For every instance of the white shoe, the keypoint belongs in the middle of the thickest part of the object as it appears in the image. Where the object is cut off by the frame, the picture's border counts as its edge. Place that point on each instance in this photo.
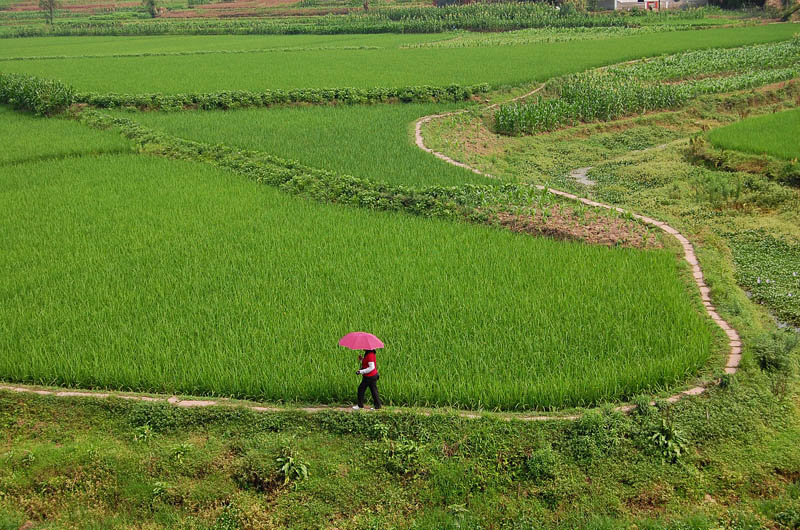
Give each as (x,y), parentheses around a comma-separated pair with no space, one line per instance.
(356,407)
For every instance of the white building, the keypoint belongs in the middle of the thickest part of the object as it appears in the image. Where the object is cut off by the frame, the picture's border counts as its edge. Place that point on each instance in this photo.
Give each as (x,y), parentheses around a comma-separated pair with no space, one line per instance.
(654,5)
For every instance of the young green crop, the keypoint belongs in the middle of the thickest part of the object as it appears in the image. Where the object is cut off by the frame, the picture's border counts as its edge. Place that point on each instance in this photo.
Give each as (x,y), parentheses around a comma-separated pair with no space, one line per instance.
(81,46)
(371,142)
(26,138)
(774,134)
(151,274)
(502,65)
(611,93)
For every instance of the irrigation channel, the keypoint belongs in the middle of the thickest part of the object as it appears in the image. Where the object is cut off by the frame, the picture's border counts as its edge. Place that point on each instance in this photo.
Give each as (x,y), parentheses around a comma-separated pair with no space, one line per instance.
(731,365)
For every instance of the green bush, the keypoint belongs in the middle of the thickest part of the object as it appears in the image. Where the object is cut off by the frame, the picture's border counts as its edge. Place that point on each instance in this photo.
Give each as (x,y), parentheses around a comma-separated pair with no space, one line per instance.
(541,465)
(43,97)
(773,351)
(403,457)
(257,470)
(670,442)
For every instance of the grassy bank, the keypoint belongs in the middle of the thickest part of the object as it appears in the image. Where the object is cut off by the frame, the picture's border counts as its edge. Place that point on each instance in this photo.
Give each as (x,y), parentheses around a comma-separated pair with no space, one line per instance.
(731,462)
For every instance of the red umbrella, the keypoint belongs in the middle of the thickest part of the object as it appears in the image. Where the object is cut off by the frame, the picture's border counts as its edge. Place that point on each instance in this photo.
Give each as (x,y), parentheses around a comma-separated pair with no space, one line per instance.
(359,340)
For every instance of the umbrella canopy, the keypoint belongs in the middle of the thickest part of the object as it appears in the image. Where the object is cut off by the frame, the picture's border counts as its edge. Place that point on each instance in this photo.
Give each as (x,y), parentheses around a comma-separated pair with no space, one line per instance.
(359,340)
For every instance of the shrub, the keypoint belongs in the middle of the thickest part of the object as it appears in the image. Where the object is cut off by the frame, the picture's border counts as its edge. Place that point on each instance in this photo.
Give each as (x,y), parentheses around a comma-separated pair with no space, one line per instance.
(773,351)
(789,517)
(267,471)
(643,406)
(403,456)
(540,466)
(290,467)
(43,97)
(670,442)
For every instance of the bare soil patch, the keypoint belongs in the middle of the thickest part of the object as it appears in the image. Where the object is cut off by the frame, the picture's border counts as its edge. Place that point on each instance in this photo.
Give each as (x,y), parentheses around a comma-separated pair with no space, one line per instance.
(569,224)
(78,8)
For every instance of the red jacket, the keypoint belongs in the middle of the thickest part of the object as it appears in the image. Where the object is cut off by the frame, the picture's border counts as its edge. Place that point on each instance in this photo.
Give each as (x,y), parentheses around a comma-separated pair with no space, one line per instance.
(369,358)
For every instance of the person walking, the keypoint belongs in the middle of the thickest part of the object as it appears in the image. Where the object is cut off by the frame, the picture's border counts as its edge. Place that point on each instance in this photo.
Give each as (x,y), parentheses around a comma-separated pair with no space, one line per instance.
(368,343)
(369,378)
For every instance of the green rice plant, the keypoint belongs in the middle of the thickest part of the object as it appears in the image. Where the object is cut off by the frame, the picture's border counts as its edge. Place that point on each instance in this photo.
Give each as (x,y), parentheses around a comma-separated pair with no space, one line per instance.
(772,134)
(364,68)
(26,138)
(366,142)
(197,44)
(216,285)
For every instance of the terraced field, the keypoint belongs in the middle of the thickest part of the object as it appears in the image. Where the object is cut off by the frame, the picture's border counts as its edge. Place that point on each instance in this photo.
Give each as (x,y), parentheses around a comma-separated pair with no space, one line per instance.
(217,286)
(179,276)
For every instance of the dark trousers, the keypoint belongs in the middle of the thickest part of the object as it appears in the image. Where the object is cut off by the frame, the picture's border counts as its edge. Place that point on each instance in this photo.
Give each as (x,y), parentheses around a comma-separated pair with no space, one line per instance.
(372,383)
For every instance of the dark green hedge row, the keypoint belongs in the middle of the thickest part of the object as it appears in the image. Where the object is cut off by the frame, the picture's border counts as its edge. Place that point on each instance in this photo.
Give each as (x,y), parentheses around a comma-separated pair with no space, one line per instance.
(236,99)
(40,96)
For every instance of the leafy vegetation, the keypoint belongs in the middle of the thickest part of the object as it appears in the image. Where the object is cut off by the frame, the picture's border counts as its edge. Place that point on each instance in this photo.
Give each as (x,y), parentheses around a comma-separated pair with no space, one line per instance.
(614,92)
(40,96)
(769,269)
(237,99)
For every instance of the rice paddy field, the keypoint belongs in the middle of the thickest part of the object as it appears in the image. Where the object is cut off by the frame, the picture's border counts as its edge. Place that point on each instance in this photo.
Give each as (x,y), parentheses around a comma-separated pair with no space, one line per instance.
(195,44)
(340,138)
(28,140)
(390,66)
(171,276)
(122,269)
(774,134)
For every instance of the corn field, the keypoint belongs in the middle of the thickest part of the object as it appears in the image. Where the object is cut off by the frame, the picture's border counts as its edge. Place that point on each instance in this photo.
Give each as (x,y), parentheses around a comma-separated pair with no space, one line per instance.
(611,93)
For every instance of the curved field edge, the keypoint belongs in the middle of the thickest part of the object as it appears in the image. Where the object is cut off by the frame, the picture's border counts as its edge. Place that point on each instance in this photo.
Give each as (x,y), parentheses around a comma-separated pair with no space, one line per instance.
(95,329)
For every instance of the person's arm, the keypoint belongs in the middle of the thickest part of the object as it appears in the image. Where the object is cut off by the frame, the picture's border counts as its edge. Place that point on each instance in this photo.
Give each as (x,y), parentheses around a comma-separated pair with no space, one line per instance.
(370,367)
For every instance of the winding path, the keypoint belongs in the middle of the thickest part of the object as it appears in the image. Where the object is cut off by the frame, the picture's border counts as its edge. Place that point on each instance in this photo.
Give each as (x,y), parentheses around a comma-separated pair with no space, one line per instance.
(734,342)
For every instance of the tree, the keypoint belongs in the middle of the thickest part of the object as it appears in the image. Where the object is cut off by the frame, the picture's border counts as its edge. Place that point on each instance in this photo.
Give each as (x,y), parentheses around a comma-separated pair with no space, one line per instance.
(49,7)
(151,6)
